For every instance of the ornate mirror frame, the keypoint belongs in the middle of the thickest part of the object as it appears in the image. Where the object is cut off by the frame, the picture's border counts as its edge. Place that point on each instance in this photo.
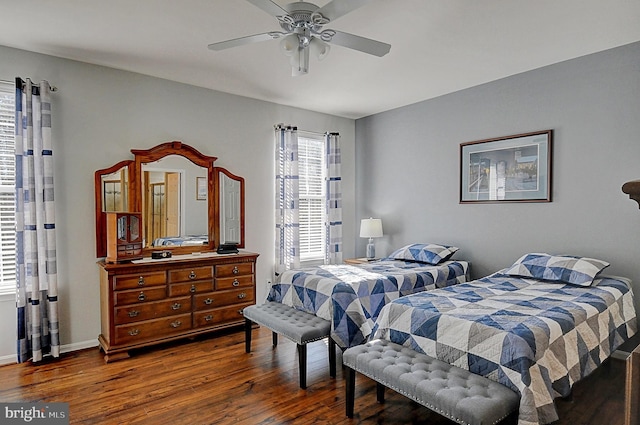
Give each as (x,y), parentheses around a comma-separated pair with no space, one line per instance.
(101,217)
(218,220)
(135,197)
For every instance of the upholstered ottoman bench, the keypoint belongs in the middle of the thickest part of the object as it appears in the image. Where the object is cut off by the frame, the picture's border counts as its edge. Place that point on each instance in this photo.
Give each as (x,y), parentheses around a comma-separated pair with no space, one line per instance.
(455,393)
(299,326)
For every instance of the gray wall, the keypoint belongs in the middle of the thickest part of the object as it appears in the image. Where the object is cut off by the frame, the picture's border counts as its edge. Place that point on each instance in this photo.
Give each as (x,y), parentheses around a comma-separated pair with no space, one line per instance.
(100,114)
(407,163)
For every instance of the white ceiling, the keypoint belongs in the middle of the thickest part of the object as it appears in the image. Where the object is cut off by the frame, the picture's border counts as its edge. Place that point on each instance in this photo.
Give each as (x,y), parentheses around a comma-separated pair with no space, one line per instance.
(438,46)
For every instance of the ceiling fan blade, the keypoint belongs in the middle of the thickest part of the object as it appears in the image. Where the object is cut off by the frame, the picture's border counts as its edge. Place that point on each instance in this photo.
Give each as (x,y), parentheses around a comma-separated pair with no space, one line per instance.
(362,44)
(337,8)
(268,6)
(245,40)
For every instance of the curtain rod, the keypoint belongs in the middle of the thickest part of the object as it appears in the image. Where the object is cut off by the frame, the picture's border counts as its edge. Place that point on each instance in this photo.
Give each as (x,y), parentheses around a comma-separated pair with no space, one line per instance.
(277,126)
(53,88)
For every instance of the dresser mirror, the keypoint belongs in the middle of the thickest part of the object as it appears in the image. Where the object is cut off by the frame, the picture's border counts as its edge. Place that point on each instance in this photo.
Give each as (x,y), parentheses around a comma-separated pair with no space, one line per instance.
(187,204)
(112,194)
(231,200)
(170,207)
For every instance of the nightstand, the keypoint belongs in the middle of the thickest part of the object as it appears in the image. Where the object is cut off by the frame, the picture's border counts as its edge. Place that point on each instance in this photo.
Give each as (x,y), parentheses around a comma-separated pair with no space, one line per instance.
(359,260)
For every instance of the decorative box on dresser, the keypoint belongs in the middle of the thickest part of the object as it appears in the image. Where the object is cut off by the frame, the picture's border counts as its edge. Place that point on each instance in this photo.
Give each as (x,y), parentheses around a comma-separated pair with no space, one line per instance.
(149,301)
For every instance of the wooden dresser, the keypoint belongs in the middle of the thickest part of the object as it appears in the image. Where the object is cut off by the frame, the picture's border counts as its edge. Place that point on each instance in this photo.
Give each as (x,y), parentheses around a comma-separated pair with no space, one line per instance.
(148,302)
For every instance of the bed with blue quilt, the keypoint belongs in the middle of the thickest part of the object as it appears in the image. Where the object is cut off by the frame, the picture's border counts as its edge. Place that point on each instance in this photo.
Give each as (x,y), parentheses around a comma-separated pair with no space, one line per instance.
(536,327)
(189,240)
(351,296)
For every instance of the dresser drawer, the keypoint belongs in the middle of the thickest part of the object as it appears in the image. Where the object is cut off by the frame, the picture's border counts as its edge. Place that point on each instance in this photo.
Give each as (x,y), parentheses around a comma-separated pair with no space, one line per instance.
(177,289)
(219,316)
(145,311)
(190,274)
(222,298)
(141,280)
(140,295)
(234,282)
(229,270)
(150,329)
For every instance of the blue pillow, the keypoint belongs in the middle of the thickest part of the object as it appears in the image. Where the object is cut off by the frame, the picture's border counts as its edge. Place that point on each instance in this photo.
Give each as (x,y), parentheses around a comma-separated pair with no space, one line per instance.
(560,268)
(424,253)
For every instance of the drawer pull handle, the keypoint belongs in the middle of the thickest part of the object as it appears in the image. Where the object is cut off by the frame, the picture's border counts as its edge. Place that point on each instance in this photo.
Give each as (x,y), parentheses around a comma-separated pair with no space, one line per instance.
(242,295)
(141,281)
(240,312)
(176,306)
(235,282)
(176,324)
(192,275)
(133,313)
(235,270)
(142,296)
(208,301)
(208,317)
(134,332)
(192,289)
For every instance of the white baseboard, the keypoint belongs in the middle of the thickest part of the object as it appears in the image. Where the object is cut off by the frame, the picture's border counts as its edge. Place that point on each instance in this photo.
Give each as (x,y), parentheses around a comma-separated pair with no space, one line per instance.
(63,349)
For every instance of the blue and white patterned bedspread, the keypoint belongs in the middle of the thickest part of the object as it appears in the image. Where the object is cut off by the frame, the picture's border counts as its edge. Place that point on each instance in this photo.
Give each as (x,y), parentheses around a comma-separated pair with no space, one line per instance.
(537,338)
(182,240)
(351,296)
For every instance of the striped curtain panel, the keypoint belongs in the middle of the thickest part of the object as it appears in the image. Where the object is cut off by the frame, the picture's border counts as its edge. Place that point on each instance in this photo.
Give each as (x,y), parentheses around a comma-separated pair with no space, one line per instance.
(37,289)
(333,251)
(287,199)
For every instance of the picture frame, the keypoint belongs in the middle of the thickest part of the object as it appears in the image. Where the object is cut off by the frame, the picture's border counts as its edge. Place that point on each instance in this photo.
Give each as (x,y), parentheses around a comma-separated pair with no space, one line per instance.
(201,188)
(515,168)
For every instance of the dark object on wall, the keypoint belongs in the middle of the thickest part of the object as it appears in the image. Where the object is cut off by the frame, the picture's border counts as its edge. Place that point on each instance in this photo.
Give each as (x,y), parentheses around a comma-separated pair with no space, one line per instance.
(632,189)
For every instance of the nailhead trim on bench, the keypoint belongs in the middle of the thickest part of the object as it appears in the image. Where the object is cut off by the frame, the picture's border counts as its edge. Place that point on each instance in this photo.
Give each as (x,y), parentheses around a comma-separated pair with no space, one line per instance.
(471,399)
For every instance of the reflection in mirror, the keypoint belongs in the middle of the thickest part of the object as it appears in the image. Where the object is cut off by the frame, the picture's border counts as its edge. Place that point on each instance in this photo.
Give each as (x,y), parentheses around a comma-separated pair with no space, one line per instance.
(133,228)
(115,187)
(229,210)
(122,228)
(171,214)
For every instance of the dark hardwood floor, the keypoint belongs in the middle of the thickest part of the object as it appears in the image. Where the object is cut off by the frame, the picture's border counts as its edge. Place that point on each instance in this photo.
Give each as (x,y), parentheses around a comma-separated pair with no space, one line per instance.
(212,381)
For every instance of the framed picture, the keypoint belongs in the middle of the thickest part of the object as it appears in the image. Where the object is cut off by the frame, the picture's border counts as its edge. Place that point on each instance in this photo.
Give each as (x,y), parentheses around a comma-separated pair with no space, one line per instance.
(201,188)
(507,169)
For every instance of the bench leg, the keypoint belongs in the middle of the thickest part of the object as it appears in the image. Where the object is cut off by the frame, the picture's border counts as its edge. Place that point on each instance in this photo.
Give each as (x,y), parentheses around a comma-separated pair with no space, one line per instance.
(247,335)
(350,387)
(302,364)
(332,357)
(274,339)
(379,392)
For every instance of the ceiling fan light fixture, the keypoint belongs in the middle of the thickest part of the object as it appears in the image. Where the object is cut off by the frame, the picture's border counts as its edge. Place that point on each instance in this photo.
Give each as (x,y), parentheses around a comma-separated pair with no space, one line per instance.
(290,44)
(303,33)
(319,48)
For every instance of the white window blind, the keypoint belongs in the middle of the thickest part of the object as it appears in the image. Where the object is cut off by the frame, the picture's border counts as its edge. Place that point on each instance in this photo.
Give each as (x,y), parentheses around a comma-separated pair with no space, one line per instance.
(7,189)
(312,197)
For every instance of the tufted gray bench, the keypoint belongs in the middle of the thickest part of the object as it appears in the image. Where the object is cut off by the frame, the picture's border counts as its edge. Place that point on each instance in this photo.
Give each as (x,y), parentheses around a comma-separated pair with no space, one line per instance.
(455,393)
(299,326)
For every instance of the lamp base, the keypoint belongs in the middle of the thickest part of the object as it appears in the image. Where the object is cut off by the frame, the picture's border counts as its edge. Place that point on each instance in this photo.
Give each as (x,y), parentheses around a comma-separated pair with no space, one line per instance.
(371,250)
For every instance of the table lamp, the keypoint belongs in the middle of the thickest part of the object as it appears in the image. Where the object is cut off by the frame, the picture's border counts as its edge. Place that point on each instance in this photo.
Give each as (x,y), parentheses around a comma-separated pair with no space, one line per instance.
(371,228)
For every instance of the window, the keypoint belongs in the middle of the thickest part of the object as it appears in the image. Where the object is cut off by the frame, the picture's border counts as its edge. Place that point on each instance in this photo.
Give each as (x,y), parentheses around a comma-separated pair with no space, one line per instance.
(7,189)
(311,168)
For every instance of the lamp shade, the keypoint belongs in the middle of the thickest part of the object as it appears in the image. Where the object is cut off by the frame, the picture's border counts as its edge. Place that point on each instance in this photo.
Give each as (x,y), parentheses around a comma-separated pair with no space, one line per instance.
(371,228)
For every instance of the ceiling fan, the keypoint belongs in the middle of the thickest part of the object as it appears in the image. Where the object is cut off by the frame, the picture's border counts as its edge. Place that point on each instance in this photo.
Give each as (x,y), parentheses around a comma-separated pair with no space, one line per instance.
(303,33)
